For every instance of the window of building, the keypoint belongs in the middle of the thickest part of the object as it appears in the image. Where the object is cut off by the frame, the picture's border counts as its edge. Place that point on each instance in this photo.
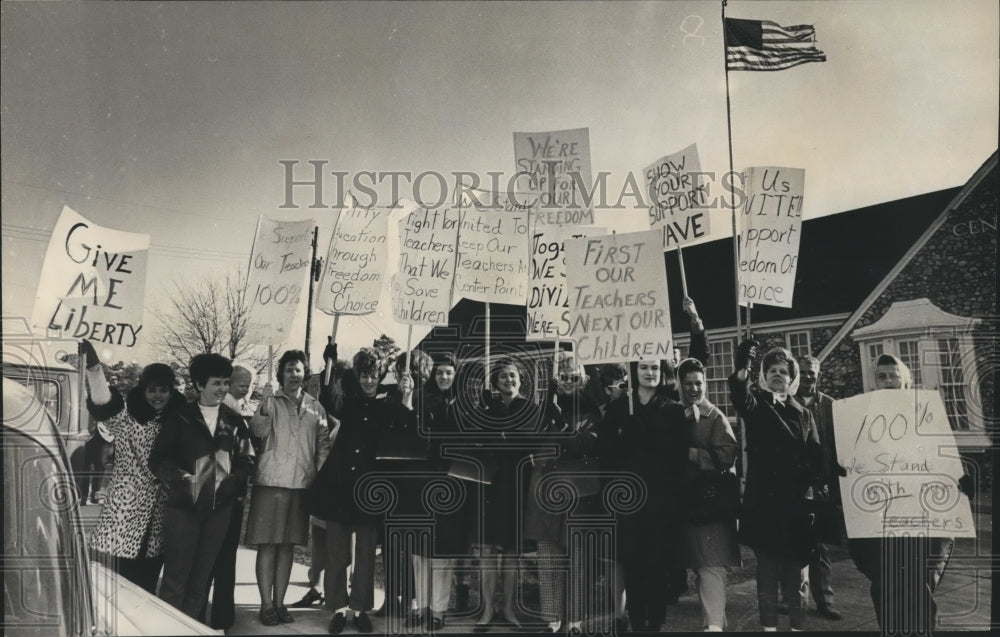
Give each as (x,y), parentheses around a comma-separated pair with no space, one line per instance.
(909,353)
(798,344)
(874,351)
(720,366)
(951,382)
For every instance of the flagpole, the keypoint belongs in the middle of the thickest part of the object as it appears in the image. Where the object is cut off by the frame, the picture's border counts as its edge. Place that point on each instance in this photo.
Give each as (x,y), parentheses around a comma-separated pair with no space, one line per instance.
(732,204)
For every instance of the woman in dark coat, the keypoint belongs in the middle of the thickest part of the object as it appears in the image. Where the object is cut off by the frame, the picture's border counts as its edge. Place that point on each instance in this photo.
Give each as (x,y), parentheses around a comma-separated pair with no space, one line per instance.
(649,442)
(503,500)
(784,463)
(576,440)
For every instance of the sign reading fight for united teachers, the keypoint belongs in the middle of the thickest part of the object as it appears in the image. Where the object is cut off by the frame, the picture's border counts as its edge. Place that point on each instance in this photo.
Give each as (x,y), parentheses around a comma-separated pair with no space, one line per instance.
(93,283)
(421,286)
(279,267)
(618,305)
(902,466)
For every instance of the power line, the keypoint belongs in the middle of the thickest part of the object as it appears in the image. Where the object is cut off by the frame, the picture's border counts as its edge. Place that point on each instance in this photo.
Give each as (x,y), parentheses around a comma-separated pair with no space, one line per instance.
(36,234)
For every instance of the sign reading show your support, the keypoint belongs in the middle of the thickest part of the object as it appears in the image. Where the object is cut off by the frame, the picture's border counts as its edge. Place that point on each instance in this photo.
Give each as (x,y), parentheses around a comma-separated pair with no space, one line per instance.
(279,266)
(354,269)
(770,230)
(93,283)
(619,309)
(555,167)
(902,466)
(678,199)
(421,286)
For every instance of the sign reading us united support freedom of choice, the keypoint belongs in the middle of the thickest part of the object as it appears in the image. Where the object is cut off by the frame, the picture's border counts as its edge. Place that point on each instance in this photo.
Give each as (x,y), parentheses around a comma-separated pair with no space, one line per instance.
(678,200)
(619,309)
(279,264)
(354,269)
(902,466)
(770,230)
(93,283)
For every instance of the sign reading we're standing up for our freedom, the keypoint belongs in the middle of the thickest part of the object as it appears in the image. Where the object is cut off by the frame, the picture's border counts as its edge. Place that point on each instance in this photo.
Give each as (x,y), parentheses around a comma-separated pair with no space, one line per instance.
(93,283)
(902,466)
(769,234)
(619,310)
(555,167)
(279,264)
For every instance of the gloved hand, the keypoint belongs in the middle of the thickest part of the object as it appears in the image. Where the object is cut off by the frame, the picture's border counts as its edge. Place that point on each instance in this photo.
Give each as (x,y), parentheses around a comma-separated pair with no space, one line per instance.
(967,485)
(86,349)
(841,470)
(747,354)
(330,351)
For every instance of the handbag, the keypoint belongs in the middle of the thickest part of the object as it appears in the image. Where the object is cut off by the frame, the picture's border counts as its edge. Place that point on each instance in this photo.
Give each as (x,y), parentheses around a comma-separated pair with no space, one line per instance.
(483,469)
(583,473)
(401,443)
(715,497)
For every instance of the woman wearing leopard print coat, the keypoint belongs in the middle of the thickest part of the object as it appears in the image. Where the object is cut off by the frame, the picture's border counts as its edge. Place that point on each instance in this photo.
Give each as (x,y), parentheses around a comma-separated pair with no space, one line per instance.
(129,528)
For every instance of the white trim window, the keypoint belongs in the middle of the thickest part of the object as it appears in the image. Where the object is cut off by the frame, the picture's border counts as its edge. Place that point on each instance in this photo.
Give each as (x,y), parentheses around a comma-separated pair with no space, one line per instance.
(720,365)
(798,343)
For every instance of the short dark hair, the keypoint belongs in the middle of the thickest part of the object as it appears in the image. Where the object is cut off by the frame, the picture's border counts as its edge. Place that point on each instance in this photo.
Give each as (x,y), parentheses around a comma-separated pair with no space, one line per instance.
(292,356)
(777,356)
(367,361)
(205,366)
(812,360)
(687,366)
(157,375)
(612,372)
(508,360)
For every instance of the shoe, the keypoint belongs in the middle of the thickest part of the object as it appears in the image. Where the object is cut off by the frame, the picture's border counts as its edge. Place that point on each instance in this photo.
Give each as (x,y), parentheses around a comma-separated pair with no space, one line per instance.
(311,597)
(414,621)
(362,623)
(382,610)
(337,624)
(268,617)
(284,616)
(574,631)
(621,625)
(436,624)
(829,612)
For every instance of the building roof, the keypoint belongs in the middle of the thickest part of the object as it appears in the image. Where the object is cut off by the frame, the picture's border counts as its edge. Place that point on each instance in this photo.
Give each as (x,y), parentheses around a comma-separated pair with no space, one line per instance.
(908,315)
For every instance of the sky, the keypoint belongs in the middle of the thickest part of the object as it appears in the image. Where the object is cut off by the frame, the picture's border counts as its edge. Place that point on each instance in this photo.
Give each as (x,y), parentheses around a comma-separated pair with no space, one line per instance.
(171,118)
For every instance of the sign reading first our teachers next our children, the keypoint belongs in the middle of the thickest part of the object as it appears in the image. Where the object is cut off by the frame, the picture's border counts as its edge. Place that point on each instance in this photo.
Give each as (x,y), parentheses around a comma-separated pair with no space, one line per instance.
(770,231)
(279,267)
(354,268)
(555,167)
(618,305)
(902,466)
(678,200)
(93,283)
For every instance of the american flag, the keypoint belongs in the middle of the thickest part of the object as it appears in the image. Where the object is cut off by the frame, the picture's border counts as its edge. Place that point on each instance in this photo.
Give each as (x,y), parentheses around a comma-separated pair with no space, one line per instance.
(762,45)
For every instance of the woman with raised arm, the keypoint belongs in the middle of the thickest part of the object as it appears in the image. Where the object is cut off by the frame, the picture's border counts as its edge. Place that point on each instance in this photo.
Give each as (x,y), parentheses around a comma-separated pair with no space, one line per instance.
(295,440)
(784,462)
(130,526)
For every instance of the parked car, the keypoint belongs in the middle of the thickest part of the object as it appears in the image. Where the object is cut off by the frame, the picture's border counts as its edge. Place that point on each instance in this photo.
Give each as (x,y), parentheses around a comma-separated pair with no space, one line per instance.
(51,587)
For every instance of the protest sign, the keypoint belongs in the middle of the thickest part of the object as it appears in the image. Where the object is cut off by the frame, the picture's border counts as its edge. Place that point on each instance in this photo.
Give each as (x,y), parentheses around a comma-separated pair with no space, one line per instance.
(555,166)
(678,200)
(769,234)
(618,305)
(354,268)
(492,264)
(902,466)
(421,287)
(93,283)
(548,299)
(279,266)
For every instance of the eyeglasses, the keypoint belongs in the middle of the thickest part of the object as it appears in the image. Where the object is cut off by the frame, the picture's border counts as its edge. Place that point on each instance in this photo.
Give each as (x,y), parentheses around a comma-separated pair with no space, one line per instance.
(622,386)
(569,378)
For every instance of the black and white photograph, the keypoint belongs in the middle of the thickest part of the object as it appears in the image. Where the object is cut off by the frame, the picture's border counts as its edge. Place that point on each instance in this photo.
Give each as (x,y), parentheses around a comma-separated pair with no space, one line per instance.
(498,317)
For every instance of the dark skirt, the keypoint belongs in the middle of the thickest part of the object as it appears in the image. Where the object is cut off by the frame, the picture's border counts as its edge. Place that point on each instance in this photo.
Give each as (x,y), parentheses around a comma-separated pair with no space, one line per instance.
(277,516)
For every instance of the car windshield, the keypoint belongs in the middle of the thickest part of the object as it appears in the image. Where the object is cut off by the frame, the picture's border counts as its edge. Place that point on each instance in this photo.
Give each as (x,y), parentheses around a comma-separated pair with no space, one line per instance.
(44,593)
(46,391)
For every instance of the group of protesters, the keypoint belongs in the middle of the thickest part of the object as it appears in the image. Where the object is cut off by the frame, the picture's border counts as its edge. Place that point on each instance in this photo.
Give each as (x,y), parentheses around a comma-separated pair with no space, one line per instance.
(480,452)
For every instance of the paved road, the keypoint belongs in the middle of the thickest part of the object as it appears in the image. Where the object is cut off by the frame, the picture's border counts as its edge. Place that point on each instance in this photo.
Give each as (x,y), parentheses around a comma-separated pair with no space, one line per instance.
(964,597)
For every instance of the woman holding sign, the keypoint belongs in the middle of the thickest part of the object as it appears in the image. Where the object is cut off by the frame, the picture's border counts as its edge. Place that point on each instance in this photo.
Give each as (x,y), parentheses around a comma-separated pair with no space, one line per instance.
(131,522)
(292,426)
(650,442)
(904,571)
(784,462)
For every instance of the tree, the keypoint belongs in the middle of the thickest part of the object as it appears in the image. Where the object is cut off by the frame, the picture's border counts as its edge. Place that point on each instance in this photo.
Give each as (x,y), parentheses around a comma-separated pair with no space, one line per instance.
(386,348)
(208,316)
